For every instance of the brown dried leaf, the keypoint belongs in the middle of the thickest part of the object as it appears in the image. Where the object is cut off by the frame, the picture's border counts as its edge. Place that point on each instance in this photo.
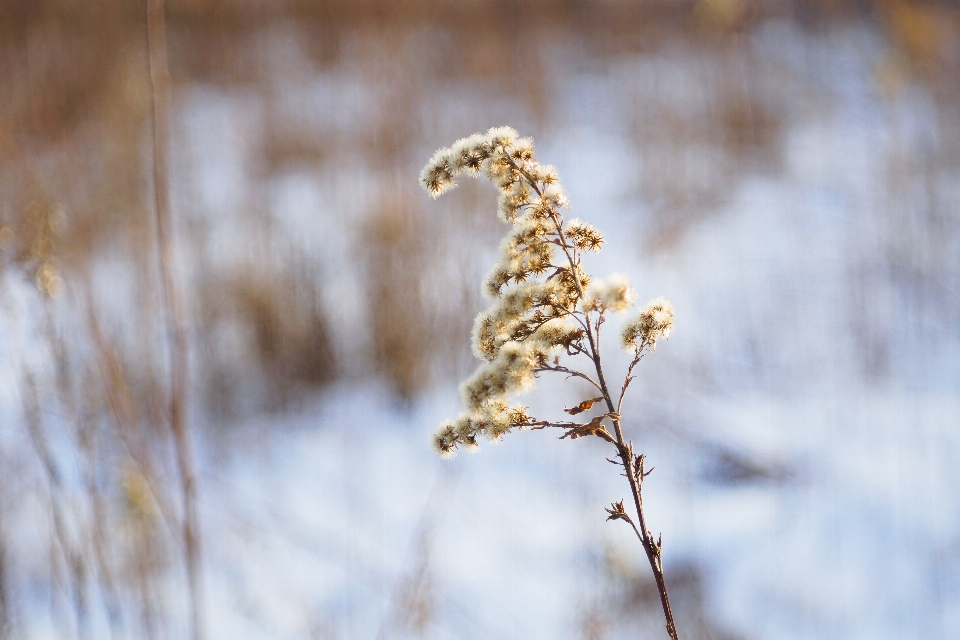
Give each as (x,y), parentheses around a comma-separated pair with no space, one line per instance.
(586,405)
(593,428)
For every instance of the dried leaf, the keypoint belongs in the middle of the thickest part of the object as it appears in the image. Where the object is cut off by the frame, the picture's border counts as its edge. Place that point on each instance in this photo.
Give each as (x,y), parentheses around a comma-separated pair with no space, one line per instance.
(592,428)
(586,405)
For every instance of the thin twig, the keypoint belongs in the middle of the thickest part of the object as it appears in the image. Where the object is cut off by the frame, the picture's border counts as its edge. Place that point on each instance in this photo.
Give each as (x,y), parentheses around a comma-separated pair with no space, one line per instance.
(569,372)
(575,430)
(71,556)
(629,377)
(172,301)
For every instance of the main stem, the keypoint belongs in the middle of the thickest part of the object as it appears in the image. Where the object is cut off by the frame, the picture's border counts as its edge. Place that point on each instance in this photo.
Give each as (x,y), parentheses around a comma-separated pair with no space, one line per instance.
(624,450)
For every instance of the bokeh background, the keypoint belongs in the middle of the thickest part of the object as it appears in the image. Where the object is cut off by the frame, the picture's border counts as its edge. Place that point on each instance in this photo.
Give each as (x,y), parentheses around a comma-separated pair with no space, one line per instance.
(787,172)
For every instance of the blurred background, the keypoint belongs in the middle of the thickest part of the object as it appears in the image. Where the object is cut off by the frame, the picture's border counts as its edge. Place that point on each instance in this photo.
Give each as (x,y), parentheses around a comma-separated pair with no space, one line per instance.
(787,172)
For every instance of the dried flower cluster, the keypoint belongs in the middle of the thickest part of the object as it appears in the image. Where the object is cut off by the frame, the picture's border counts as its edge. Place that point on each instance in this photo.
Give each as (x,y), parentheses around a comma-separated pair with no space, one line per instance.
(544,306)
(654,322)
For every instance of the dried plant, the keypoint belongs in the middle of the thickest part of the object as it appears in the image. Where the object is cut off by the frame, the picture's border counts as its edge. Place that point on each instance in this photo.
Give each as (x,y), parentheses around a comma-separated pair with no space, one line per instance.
(173,305)
(544,309)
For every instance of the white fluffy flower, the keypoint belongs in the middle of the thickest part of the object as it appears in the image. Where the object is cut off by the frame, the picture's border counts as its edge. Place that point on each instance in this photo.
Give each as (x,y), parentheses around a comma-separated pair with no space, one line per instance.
(654,322)
(614,293)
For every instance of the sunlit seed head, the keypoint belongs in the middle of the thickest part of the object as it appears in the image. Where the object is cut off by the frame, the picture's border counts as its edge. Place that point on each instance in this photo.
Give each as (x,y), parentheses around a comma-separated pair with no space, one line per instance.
(484,337)
(436,177)
(547,175)
(469,153)
(522,150)
(491,420)
(484,384)
(568,281)
(614,294)
(517,316)
(495,407)
(583,235)
(554,333)
(444,440)
(461,147)
(512,371)
(654,322)
(502,136)
(525,251)
(555,194)
(496,281)
(540,209)
(466,431)
(496,431)
(519,415)
(512,200)
(498,170)
(521,299)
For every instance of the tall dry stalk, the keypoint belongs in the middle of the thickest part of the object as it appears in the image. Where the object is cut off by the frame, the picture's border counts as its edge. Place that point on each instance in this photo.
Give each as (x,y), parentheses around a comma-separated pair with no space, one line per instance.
(173,304)
(544,308)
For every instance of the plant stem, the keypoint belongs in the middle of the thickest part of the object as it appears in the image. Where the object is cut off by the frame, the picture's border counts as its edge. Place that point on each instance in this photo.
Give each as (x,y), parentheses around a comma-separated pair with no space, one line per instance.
(160,86)
(625,450)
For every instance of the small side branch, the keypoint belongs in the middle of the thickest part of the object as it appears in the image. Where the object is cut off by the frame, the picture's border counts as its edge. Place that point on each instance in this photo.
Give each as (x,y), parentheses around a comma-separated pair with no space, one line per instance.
(630,377)
(574,430)
(556,368)
(617,512)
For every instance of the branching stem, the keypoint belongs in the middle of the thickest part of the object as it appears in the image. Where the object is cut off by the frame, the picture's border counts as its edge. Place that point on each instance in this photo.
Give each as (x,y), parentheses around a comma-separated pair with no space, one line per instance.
(624,449)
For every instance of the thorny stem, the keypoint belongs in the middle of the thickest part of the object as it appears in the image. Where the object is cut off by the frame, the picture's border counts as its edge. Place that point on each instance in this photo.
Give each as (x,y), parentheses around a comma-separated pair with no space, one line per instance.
(624,449)
(160,86)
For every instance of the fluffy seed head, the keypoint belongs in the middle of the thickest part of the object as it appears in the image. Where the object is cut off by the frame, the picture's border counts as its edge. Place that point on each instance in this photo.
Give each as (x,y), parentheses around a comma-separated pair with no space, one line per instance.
(614,293)
(561,332)
(502,136)
(521,151)
(512,371)
(654,322)
(445,440)
(583,235)
(436,177)
(469,153)
(513,199)
(545,174)
(538,305)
